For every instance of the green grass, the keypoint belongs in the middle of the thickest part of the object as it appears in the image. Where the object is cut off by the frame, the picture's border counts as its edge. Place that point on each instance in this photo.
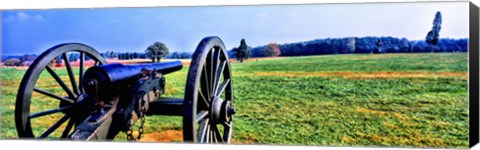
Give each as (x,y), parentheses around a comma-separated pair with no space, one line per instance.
(426,111)
(362,62)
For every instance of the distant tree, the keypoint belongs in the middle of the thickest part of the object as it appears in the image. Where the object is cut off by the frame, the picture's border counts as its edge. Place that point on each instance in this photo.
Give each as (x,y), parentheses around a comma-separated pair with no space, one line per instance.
(157,51)
(378,48)
(27,57)
(12,62)
(349,46)
(135,55)
(123,56)
(272,50)
(404,45)
(242,52)
(73,57)
(106,54)
(58,60)
(185,55)
(434,34)
(87,58)
(175,55)
(234,53)
(112,54)
(127,56)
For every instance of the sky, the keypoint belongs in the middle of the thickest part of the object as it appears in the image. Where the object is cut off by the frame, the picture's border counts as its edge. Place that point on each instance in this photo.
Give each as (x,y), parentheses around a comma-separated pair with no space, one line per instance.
(182,28)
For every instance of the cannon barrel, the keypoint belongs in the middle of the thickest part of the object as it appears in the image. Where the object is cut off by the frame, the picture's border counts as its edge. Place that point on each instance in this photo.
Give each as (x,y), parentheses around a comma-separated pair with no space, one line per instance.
(114,75)
(118,72)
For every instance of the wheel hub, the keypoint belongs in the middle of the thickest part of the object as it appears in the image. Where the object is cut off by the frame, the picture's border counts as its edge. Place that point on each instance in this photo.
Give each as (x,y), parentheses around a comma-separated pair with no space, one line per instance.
(221,110)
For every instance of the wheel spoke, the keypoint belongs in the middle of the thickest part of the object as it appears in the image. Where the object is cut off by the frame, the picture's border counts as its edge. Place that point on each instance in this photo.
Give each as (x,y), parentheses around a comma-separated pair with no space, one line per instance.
(201,115)
(218,75)
(55,126)
(208,71)
(207,134)
(227,134)
(203,131)
(214,65)
(226,124)
(67,128)
(213,134)
(222,86)
(217,134)
(70,73)
(48,112)
(210,133)
(205,100)
(53,95)
(82,68)
(205,87)
(60,82)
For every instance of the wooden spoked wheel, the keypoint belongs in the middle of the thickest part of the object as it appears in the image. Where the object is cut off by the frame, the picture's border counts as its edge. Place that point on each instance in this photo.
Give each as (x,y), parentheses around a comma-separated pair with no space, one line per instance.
(208,104)
(49,100)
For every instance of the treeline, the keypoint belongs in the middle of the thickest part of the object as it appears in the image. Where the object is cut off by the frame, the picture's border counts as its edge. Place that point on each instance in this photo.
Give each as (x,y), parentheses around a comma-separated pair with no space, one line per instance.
(124,56)
(24,60)
(72,57)
(27,59)
(135,55)
(362,45)
(177,55)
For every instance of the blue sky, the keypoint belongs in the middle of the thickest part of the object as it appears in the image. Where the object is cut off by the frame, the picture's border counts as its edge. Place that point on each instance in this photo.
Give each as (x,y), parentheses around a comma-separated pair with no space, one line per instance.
(181,28)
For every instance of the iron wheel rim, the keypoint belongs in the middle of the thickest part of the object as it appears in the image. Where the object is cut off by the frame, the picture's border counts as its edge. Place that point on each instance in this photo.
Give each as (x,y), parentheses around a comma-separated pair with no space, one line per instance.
(208,81)
(28,87)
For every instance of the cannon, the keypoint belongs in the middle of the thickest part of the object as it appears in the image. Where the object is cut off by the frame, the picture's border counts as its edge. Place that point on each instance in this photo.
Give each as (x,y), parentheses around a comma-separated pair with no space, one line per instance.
(100,101)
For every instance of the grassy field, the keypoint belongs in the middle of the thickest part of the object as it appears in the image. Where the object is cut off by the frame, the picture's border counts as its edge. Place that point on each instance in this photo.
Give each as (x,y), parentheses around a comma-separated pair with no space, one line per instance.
(403,100)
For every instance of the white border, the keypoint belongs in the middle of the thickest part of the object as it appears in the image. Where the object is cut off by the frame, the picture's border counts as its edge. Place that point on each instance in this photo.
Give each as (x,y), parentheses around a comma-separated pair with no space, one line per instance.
(49,4)
(61,4)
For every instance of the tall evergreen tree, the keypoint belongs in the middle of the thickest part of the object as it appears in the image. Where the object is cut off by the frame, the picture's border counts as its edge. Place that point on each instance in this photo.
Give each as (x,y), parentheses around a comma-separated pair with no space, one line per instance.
(242,52)
(434,34)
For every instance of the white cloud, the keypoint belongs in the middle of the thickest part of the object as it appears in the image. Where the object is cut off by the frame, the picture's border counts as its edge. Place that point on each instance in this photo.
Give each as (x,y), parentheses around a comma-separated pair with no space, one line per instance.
(22,16)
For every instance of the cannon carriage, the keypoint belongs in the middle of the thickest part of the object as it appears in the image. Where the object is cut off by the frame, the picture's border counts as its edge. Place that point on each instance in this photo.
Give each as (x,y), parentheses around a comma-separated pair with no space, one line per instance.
(105,99)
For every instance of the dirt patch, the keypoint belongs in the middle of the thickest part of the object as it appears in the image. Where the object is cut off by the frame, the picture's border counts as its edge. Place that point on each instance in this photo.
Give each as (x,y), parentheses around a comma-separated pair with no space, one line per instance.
(177,136)
(366,75)
(165,136)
